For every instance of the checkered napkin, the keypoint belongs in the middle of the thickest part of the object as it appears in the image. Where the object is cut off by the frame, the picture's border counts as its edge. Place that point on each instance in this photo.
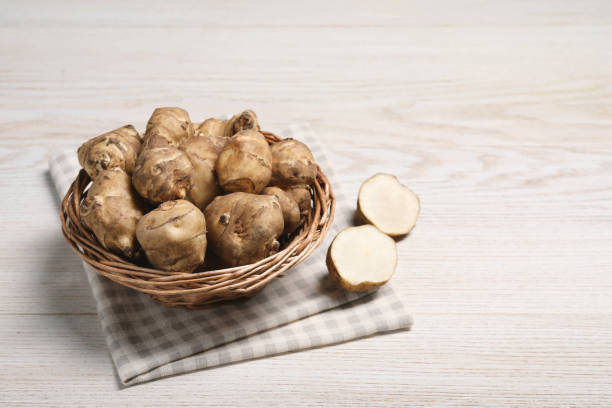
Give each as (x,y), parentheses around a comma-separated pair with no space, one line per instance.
(301,310)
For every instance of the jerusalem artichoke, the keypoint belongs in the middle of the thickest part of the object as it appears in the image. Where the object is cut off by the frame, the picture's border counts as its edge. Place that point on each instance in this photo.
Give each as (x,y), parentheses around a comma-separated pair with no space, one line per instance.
(168,127)
(162,174)
(246,120)
(292,163)
(301,195)
(244,228)
(202,154)
(117,148)
(111,211)
(214,129)
(291,211)
(389,205)
(173,236)
(244,164)
(361,258)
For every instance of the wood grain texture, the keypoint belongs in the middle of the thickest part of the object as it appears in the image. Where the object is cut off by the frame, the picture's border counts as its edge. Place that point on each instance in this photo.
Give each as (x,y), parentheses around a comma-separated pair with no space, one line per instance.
(496,113)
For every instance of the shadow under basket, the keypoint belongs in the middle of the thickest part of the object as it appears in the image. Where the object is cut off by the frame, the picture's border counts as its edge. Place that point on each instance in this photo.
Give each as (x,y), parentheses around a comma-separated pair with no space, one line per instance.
(194,290)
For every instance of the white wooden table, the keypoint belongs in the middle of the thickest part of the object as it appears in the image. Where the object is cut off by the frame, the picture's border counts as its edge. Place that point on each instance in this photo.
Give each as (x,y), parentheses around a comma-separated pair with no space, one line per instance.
(498,114)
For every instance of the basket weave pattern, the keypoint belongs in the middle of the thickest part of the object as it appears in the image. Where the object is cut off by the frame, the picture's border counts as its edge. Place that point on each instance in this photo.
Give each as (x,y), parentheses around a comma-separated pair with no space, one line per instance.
(200,288)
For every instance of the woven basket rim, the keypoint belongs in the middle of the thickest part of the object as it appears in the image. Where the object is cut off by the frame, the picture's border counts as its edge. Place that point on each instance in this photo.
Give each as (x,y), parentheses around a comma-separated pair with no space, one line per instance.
(203,287)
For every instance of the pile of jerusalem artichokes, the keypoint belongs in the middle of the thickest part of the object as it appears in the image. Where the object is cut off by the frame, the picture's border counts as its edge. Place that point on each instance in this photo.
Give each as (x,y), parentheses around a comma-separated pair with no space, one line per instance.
(183,186)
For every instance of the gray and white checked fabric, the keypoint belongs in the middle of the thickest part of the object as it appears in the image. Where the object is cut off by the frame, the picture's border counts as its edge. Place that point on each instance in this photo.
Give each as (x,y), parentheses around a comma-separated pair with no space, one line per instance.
(301,310)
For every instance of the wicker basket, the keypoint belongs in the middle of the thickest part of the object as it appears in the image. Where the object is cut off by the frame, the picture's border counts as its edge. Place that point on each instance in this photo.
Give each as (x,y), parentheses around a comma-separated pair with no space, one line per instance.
(200,288)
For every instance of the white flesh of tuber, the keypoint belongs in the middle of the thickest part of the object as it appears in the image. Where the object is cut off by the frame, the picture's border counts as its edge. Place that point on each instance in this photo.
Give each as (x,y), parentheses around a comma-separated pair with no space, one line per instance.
(389,205)
(361,258)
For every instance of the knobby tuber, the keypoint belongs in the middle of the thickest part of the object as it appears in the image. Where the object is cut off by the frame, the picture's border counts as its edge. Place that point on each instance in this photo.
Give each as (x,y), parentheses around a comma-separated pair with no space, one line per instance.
(202,153)
(184,167)
(117,148)
(168,127)
(173,236)
(203,147)
(218,128)
(162,174)
(292,163)
(291,211)
(361,258)
(246,120)
(214,129)
(245,163)
(111,211)
(244,228)
(387,204)
(301,195)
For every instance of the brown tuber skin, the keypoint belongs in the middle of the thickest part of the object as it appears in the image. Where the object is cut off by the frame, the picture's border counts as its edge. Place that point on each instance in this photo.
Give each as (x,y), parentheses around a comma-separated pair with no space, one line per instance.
(219,131)
(245,163)
(244,228)
(168,127)
(117,148)
(291,211)
(219,128)
(112,210)
(202,153)
(214,129)
(246,120)
(173,236)
(162,174)
(204,147)
(301,195)
(292,163)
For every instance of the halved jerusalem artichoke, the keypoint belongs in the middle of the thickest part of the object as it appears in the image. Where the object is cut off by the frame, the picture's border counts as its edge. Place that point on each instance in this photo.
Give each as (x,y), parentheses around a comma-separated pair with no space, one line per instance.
(389,205)
(361,258)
